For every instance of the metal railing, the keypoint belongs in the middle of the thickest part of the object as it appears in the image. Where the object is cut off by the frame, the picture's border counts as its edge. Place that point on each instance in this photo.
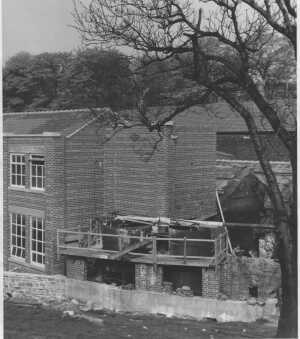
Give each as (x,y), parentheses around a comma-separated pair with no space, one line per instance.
(147,246)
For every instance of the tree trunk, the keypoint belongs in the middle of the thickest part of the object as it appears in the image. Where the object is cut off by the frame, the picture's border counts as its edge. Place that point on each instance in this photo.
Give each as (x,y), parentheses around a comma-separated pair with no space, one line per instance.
(287,325)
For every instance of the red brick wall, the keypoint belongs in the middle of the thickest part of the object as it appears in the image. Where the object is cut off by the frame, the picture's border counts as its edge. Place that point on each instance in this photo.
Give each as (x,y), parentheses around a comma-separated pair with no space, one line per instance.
(172,177)
(147,277)
(76,268)
(210,283)
(49,204)
(192,165)
(135,181)
(83,177)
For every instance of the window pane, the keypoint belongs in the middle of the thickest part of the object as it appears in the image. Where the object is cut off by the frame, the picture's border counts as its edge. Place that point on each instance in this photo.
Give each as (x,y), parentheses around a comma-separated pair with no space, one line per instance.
(33,245)
(23,242)
(19,242)
(18,169)
(40,182)
(23,180)
(13,169)
(18,158)
(18,180)
(40,247)
(33,181)
(13,240)
(19,217)
(39,171)
(33,234)
(23,219)
(13,180)
(33,170)
(40,235)
(13,158)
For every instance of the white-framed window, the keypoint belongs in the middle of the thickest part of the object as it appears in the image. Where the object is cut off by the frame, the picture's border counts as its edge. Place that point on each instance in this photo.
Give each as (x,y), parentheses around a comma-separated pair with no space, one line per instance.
(37,172)
(17,170)
(37,241)
(18,235)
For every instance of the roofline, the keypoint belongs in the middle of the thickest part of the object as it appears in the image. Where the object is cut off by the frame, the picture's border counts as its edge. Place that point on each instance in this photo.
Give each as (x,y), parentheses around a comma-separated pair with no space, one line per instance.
(45,134)
(49,111)
(81,127)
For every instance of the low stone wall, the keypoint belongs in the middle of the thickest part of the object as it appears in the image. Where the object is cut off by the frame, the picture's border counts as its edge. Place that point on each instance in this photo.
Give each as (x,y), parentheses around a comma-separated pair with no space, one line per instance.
(36,286)
(115,299)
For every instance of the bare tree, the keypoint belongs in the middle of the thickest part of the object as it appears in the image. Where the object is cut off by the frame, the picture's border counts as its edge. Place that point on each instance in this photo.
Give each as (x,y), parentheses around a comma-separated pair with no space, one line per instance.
(227,42)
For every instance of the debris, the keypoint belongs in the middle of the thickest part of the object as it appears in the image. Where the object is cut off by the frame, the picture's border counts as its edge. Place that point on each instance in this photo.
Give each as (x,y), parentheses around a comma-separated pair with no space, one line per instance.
(97,321)
(251,301)
(69,313)
(145,327)
(185,291)
(261,302)
(203,329)
(75,302)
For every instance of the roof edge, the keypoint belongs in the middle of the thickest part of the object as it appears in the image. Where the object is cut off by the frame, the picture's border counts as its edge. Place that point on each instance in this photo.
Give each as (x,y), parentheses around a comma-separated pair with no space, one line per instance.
(44,134)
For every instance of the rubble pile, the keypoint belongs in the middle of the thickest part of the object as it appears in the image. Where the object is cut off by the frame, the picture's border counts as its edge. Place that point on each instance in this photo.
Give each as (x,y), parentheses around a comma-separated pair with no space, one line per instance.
(185,291)
(167,287)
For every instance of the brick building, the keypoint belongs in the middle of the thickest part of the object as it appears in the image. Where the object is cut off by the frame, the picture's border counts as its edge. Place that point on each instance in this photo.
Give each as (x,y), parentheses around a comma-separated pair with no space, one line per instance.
(233,139)
(59,174)
(63,169)
(51,171)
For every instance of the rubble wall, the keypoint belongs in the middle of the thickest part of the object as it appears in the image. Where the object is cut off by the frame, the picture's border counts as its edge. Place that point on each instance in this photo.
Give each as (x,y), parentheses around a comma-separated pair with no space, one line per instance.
(240,274)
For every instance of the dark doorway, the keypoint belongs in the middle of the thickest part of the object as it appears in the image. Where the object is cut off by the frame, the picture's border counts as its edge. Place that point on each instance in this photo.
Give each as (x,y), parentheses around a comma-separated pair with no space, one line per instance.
(184,276)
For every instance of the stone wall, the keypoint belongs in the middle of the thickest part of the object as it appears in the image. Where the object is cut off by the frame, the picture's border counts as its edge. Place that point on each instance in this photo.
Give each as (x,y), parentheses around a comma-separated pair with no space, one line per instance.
(239,275)
(36,286)
(107,297)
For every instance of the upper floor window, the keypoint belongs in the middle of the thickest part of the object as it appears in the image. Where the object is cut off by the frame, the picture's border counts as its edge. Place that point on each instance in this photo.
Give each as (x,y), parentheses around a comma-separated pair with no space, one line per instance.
(18,224)
(17,170)
(37,177)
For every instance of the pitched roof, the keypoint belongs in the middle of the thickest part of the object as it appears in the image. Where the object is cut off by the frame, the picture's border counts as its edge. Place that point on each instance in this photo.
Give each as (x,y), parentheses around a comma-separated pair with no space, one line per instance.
(67,122)
(229,121)
(46,123)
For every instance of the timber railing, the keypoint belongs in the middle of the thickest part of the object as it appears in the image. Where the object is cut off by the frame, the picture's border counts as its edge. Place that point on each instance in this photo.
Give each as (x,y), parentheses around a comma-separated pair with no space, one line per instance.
(154,248)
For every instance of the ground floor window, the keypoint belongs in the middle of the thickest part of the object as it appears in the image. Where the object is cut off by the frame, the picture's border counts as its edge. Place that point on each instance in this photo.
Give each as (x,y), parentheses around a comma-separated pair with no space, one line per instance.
(27,238)
(37,240)
(18,238)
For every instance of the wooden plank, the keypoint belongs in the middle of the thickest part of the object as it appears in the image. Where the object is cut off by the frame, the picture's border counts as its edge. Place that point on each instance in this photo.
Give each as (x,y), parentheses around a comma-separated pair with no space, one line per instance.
(118,255)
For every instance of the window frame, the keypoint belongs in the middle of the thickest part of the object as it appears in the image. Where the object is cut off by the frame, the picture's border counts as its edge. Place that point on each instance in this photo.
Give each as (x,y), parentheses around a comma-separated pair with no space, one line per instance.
(23,226)
(15,174)
(36,252)
(43,177)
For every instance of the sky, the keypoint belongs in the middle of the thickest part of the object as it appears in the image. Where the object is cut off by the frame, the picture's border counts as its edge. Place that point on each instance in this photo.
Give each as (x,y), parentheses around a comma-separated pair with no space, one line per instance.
(37,26)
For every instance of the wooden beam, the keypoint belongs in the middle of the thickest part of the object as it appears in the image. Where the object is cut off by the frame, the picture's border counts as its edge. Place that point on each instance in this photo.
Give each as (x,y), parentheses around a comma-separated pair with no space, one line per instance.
(118,255)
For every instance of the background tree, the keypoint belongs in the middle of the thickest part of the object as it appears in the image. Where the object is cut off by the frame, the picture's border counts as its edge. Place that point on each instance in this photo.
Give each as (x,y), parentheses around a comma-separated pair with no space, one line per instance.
(87,78)
(227,43)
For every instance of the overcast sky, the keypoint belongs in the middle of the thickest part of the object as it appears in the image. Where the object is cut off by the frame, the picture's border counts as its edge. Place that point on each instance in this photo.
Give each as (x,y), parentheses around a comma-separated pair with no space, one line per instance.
(37,26)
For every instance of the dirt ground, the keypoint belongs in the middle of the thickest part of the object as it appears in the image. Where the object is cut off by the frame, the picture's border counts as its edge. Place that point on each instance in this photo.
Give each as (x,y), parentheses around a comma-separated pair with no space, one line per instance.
(35,322)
